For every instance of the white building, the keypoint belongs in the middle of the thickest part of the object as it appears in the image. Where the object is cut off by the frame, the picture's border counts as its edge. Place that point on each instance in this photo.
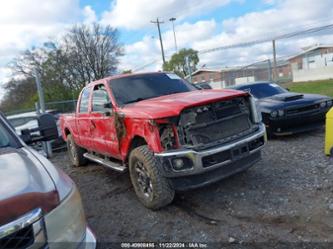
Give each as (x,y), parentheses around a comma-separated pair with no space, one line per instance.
(314,63)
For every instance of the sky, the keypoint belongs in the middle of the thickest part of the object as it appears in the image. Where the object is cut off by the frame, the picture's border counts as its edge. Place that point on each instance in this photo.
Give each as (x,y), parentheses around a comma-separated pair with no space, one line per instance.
(199,25)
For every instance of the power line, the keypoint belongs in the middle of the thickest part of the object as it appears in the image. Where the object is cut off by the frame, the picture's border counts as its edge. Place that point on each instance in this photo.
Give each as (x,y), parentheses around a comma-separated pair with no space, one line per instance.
(290,35)
(254,42)
(144,66)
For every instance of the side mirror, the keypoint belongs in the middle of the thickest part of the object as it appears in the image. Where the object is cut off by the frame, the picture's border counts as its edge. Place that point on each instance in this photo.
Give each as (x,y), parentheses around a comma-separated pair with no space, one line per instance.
(26,136)
(48,127)
(47,130)
(108,105)
(108,109)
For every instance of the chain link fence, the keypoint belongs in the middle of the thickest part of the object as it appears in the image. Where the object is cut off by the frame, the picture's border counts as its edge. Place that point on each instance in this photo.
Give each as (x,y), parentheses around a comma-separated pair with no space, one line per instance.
(64,106)
(228,76)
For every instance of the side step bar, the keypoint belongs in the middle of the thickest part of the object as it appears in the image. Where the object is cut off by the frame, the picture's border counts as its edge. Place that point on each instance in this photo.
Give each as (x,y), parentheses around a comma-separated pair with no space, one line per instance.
(106,163)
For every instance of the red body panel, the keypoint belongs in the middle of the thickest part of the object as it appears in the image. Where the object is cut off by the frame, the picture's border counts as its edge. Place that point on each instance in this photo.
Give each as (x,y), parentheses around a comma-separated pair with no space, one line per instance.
(172,105)
(97,132)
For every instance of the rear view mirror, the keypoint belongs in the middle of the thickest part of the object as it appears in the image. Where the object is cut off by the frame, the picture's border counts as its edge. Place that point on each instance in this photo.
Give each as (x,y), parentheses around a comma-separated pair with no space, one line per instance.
(47,130)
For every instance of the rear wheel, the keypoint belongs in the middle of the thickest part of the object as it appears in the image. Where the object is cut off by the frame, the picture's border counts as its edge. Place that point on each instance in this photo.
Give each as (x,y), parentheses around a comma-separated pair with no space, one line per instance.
(152,189)
(75,152)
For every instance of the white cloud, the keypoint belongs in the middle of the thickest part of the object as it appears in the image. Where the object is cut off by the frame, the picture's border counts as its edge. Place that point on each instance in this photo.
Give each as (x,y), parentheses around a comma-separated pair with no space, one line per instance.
(283,17)
(24,24)
(37,11)
(89,15)
(148,49)
(138,14)
(271,2)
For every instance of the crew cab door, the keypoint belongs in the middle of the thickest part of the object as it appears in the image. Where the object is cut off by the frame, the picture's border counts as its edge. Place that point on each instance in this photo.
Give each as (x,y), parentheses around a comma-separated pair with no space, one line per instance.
(103,131)
(82,119)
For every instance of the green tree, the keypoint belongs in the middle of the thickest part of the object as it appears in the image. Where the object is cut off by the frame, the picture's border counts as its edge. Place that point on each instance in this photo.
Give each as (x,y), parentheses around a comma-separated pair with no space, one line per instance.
(84,54)
(19,94)
(129,71)
(178,63)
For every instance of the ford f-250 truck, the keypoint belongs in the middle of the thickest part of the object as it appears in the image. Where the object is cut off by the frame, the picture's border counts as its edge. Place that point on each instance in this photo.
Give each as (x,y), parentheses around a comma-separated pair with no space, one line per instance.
(166,132)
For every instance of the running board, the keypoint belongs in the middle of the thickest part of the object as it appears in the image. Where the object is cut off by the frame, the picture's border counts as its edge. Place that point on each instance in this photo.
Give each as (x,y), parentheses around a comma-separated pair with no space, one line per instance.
(106,163)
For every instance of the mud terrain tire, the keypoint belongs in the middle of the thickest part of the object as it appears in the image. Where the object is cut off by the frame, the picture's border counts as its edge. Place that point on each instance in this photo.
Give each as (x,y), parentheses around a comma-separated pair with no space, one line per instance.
(152,189)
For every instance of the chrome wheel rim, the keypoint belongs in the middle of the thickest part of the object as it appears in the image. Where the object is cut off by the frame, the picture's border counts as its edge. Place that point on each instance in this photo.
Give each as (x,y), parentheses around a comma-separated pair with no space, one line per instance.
(143,179)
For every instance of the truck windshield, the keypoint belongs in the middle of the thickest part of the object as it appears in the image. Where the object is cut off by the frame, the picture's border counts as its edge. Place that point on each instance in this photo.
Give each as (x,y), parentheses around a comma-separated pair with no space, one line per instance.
(6,137)
(135,88)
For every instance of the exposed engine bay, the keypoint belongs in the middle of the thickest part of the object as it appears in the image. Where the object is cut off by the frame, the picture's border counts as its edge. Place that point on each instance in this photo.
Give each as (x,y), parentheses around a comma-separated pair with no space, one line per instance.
(207,125)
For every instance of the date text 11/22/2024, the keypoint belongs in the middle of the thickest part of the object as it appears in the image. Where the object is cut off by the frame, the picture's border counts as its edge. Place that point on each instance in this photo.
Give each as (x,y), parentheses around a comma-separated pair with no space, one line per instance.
(163,245)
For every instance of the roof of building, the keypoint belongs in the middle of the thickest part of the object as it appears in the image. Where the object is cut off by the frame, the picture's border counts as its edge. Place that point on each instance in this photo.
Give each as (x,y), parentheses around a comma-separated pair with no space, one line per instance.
(311,48)
(203,70)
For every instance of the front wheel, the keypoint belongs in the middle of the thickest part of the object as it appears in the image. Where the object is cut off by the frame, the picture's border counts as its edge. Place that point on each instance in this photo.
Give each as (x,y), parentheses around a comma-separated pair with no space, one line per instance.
(152,189)
(75,152)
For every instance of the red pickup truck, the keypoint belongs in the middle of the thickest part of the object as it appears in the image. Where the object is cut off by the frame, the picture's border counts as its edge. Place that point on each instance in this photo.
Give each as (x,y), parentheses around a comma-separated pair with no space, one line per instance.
(169,134)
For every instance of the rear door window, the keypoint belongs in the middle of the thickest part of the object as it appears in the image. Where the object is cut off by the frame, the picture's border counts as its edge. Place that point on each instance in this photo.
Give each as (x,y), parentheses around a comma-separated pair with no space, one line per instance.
(84,103)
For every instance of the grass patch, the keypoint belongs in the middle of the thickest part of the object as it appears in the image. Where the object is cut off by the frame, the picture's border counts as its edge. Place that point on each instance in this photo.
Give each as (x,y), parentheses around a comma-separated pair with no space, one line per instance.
(324,87)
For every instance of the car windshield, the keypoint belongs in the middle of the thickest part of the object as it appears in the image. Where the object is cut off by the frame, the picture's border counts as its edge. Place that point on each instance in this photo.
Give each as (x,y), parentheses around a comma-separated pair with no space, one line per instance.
(16,122)
(6,138)
(260,91)
(146,86)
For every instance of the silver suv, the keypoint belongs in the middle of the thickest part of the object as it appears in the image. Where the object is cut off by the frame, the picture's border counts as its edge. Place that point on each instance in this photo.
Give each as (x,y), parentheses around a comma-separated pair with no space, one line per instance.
(40,206)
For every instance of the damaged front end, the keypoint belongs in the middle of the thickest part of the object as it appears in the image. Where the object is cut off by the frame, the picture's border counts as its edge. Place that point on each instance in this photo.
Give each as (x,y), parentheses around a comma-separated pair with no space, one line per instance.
(202,139)
(209,125)
(217,123)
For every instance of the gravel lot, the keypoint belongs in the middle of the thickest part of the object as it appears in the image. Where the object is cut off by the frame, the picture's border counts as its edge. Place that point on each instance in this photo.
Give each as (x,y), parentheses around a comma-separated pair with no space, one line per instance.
(288,197)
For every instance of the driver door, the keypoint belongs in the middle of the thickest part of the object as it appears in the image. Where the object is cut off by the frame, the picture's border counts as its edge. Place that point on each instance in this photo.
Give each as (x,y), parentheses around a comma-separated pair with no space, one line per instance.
(102,123)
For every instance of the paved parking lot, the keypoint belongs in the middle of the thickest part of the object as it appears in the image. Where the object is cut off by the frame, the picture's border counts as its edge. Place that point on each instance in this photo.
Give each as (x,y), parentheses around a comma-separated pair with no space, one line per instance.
(288,196)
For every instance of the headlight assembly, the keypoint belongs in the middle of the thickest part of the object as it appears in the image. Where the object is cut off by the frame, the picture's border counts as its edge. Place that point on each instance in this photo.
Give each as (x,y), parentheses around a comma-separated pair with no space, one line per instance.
(280,113)
(274,114)
(323,104)
(255,110)
(167,137)
(329,103)
(66,223)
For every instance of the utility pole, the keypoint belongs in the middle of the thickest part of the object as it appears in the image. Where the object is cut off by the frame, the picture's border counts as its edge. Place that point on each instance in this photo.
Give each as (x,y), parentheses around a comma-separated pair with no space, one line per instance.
(269,69)
(174,33)
(274,62)
(188,63)
(40,92)
(157,22)
(46,145)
